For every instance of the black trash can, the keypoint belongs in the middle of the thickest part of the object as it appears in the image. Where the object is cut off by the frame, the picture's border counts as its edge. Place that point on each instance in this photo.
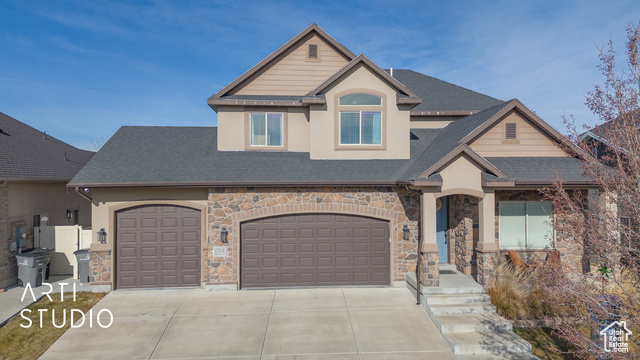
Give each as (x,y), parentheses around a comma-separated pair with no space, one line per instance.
(32,266)
(83,264)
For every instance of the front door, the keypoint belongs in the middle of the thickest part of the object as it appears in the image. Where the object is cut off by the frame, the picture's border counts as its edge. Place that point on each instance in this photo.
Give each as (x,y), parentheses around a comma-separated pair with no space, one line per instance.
(441,229)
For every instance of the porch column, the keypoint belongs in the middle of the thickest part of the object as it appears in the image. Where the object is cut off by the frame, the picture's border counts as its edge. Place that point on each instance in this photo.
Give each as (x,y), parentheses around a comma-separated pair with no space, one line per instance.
(430,269)
(487,256)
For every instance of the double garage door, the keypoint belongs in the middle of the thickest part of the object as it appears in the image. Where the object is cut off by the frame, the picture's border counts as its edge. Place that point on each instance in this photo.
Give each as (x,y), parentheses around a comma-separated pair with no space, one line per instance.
(159,246)
(314,250)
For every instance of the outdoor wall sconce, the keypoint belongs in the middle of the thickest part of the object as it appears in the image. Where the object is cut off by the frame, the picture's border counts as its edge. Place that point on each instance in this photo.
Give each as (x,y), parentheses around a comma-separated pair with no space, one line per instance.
(102,236)
(223,235)
(69,215)
(405,232)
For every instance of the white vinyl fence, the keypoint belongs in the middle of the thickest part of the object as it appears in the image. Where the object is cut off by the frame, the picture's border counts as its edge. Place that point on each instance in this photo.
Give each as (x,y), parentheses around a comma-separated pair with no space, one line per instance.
(65,240)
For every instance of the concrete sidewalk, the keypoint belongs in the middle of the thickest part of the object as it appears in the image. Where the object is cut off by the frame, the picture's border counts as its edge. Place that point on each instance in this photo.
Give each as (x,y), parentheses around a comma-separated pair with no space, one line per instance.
(349,323)
(10,299)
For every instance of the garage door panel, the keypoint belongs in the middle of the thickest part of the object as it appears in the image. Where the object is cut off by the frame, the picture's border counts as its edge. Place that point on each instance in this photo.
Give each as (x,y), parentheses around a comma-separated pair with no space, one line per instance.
(167,223)
(127,224)
(288,248)
(314,250)
(307,247)
(190,250)
(190,236)
(127,238)
(269,263)
(157,246)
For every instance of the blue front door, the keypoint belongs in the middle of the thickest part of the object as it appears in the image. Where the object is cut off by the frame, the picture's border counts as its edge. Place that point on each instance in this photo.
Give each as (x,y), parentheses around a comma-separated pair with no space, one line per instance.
(441,229)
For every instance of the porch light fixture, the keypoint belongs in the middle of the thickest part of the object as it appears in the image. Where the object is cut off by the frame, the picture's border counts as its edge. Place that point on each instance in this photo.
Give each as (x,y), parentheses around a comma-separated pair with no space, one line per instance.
(223,235)
(102,236)
(405,232)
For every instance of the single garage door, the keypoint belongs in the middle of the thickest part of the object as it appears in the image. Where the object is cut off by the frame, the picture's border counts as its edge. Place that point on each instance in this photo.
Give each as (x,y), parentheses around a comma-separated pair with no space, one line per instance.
(157,246)
(314,250)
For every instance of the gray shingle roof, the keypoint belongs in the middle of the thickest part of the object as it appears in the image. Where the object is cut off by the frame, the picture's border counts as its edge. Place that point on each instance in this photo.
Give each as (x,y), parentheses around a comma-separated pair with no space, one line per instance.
(447,140)
(189,155)
(438,95)
(27,154)
(540,169)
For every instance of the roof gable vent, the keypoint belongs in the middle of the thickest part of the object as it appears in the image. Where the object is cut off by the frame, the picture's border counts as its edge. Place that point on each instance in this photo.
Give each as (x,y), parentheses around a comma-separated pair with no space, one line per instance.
(510,131)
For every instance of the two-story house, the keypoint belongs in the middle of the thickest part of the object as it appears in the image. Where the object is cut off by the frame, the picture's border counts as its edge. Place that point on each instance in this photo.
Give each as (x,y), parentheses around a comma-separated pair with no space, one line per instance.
(326,170)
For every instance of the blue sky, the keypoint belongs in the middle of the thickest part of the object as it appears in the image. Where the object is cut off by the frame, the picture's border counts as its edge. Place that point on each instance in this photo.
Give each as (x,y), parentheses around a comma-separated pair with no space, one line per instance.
(80,70)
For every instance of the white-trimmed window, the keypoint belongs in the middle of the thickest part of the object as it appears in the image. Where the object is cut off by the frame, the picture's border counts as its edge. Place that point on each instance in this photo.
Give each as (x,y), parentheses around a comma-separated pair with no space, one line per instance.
(267,129)
(360,128)
(526,225)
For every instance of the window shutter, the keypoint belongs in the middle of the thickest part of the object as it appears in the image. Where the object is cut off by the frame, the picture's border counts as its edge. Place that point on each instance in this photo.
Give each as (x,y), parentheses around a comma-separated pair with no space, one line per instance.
(510,131)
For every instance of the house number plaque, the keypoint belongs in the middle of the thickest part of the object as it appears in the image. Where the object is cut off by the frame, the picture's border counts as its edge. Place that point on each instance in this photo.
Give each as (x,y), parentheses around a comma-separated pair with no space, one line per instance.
(219,251)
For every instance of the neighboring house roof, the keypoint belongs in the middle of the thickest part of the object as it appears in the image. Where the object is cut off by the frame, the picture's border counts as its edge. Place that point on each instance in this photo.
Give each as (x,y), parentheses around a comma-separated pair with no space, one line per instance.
(441,96)
(166,156)
(29,154)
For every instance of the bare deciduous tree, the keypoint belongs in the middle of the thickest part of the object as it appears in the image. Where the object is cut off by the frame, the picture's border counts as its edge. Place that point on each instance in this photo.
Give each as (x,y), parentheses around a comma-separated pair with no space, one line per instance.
(605,225)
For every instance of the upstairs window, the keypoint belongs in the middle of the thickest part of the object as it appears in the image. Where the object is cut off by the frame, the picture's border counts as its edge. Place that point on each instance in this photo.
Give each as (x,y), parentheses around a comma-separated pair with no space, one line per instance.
(266,129)
(526,225)
(361,128)
(360,99)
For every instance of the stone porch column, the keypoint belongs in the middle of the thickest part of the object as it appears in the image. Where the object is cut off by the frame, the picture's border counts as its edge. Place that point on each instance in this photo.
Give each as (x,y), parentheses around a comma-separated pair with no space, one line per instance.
(430,269)
(487,250)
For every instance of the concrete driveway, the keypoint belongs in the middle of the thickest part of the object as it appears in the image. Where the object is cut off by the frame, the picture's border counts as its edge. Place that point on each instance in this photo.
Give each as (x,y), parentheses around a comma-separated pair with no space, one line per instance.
(350,323)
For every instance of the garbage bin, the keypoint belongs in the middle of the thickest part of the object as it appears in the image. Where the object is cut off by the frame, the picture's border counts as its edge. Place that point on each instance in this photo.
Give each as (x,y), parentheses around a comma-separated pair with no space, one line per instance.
(83,264)
(32,266)
(50,252)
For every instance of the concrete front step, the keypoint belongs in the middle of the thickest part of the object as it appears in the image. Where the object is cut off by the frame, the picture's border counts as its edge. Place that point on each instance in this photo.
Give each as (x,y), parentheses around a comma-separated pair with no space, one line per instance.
(521,356)
(433,290)
(448,324)
(461,309)
(458,299)
(487,343)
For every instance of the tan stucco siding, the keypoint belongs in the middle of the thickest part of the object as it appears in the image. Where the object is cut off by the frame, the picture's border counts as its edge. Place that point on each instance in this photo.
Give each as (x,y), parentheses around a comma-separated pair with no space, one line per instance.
(462,176)
(530,141)
(293,73)
(233,128)
(107,201)
(26,199)
(324,142)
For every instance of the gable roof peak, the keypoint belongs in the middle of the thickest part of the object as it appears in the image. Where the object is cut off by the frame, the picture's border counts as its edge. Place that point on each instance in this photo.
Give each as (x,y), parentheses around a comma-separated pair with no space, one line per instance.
(363,59)
(346,53)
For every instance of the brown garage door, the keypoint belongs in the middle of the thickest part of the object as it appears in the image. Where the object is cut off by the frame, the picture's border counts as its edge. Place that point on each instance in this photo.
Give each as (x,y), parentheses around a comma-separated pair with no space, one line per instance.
(157,246)
(314,250)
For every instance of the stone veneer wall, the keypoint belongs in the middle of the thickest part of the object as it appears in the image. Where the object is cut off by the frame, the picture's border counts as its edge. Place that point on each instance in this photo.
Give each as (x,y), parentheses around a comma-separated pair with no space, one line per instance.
(100,265)
(430,274)
(570,251)
(8,267)
(463,222)
(229,207)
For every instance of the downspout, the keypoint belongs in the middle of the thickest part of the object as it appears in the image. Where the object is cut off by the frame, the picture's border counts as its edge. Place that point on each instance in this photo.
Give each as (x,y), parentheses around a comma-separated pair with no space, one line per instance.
(82,194)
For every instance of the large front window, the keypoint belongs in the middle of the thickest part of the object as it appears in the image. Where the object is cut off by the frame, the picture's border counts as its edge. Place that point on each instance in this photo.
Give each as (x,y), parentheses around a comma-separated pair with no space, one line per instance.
(360,128)
(266,129)
(526,225)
